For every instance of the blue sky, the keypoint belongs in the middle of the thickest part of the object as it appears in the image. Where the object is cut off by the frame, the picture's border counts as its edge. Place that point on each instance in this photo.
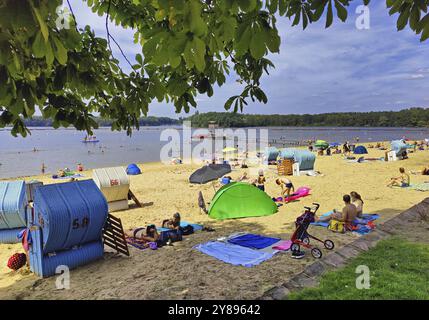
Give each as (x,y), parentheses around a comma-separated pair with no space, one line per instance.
(319,70)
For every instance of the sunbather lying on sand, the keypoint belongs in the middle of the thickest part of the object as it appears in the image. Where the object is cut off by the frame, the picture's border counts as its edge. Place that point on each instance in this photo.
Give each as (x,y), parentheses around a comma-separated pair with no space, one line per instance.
(424,172)
(149,233)
(243,177)
(402,181)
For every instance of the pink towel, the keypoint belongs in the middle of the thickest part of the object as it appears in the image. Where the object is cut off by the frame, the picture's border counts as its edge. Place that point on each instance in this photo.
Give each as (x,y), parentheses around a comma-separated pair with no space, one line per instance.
(283,246)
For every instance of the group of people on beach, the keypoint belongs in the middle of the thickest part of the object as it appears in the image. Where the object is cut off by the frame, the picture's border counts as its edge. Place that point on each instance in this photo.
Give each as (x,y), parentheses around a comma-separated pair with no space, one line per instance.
(353,208)
(151,234)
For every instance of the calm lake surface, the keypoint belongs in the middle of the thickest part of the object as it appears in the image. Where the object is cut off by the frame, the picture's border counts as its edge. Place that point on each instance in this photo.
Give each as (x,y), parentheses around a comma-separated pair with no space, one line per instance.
(64,148)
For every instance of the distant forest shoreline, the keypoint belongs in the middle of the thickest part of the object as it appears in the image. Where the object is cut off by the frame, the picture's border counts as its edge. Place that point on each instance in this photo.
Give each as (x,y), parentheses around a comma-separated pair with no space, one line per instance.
(412,118)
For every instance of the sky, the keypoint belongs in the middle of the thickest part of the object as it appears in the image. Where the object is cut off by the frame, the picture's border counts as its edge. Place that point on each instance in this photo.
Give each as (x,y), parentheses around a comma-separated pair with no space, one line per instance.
(318,70)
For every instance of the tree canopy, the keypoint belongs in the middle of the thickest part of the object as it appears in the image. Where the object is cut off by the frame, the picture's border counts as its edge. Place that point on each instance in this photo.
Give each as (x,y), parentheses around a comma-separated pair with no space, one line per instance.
(188,48)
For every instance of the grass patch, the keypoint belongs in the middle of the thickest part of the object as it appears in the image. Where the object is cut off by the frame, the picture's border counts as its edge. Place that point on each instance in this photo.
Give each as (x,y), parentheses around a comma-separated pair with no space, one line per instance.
(398,269)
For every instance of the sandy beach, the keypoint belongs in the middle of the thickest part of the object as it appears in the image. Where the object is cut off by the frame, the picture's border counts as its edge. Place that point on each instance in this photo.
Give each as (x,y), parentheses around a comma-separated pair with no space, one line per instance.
(181,272)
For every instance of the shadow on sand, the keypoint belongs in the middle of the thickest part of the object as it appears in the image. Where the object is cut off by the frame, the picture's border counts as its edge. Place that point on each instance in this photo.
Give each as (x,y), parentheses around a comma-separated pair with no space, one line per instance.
(178,271)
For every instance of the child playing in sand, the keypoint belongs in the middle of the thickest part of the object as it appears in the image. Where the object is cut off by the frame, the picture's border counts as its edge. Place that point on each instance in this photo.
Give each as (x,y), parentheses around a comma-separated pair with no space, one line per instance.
(402,181)
(287,187)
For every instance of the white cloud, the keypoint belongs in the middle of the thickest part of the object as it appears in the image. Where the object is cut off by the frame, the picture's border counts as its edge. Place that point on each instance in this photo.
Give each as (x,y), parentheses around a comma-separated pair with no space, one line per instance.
(320,70)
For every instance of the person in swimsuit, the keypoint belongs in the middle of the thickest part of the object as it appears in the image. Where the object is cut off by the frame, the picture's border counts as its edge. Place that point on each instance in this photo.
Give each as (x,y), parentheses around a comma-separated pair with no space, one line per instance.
(346,148)
(287,187)
(174,223)
(261,182)
(347,215)
(402,181)
(424,172)
(149,233)
(358,202)
(243,177)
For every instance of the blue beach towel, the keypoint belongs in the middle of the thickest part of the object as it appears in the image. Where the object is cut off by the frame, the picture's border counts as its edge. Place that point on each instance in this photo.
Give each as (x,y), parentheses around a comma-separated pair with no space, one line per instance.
(233,254)
(197,227)
(78,175)
(366,217)
(254,241)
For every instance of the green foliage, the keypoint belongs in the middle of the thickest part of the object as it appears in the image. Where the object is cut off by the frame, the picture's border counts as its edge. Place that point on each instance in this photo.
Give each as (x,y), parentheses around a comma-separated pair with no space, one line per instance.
(188,48)
(398,271)
(415,117)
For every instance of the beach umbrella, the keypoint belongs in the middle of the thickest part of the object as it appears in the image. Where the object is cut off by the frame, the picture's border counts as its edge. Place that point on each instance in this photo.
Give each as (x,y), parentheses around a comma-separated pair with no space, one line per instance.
(209,173)
(321,144)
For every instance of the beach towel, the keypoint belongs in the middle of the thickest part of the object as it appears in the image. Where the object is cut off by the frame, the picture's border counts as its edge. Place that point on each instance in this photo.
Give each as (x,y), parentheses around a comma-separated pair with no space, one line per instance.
(136,243)
(234,254)
(254,241)
(364,228)
(419,186)
(283,245)
(78,175)
(197,227)
(361,225)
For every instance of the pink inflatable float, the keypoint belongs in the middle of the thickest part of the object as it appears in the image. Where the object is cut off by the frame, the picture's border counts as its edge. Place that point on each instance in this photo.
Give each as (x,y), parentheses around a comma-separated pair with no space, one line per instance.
(299,193)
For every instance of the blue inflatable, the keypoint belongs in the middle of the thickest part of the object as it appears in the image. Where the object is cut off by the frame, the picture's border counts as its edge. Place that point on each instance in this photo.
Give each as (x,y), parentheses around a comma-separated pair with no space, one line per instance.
(360,150)
(133,170)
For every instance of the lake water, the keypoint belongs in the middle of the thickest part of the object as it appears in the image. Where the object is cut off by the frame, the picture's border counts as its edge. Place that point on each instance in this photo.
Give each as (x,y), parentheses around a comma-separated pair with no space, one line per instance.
(63,147)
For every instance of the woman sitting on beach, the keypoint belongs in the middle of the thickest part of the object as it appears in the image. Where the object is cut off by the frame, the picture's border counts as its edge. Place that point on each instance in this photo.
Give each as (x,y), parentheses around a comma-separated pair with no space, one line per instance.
(358,202)
(287,187)
(402,181)
(174,223)
(149,233)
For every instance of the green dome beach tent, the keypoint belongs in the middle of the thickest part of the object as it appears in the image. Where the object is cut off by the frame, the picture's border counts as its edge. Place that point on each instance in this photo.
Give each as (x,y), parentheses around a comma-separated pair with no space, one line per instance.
(241,200)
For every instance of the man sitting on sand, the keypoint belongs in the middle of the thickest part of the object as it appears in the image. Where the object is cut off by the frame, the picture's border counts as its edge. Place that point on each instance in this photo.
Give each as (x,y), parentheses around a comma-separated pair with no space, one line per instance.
(287,187)
(402,181)
(149,233)
(347,215)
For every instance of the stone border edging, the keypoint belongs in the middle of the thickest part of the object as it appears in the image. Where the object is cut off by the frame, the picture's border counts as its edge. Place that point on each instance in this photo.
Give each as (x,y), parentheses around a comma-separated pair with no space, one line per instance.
(310,276)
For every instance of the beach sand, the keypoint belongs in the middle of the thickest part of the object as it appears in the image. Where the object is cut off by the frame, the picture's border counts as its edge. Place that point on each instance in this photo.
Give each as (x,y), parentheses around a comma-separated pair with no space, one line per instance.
(181,272)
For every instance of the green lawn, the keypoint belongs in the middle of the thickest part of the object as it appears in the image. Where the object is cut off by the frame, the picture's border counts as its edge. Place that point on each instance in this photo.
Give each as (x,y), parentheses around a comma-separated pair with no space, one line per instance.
(399,270)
